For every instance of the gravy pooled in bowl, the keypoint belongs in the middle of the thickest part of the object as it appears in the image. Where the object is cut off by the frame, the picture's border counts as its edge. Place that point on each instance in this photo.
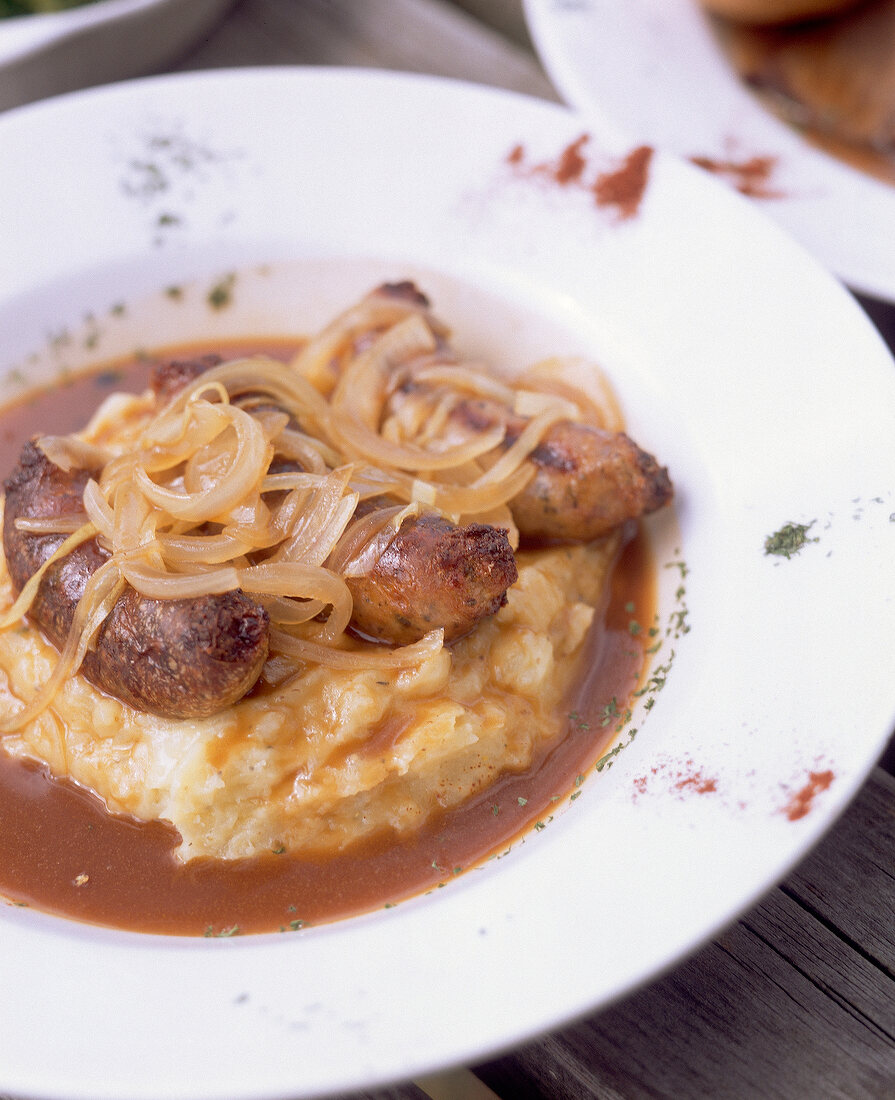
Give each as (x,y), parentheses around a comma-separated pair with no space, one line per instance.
(303,633)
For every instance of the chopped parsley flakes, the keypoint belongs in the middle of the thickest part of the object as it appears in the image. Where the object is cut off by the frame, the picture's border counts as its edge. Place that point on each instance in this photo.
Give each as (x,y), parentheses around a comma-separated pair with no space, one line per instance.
(789,540)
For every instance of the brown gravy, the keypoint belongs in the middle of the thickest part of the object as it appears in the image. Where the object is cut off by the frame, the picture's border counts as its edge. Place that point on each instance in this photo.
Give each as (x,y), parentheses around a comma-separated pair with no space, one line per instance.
(63,853)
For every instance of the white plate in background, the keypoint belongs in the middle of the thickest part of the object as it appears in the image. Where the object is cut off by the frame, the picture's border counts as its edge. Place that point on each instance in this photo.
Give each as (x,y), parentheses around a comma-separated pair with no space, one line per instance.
(739,362)
(654,69)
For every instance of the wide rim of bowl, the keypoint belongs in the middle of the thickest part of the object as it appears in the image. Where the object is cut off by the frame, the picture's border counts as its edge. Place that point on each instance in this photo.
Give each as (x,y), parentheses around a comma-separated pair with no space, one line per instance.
(677,90)
(387,996)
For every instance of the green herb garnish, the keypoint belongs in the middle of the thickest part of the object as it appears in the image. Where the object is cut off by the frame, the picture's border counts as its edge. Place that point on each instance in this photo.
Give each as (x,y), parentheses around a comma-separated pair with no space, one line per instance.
(221,294)
(789,539)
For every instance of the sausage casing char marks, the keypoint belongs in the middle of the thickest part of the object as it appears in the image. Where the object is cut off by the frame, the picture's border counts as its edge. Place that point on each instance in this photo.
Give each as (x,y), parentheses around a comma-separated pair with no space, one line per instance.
(587,481)
(176,658)
(434,573)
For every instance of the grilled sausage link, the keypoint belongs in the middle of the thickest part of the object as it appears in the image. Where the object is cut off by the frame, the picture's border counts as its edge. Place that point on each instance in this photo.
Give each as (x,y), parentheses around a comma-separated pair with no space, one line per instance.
(175,658)
(586,482)
(433,574)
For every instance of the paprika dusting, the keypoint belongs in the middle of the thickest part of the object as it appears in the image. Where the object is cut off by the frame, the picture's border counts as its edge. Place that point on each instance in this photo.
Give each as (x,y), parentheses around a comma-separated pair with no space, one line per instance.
(624,188)
(802,801)
(620,188)
(682,777)
(751,177)
(572,163)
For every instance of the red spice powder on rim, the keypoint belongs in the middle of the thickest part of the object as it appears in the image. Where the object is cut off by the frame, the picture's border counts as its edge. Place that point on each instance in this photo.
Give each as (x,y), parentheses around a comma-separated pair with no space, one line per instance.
(698,783)
(802,801)
(571,164)
(685,778)
(567,168)
(622,188)
(751,177)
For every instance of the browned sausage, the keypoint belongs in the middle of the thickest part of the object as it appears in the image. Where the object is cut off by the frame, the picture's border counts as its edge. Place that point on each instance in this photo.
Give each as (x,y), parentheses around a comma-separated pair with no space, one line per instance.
(175,658)
(587,481)
(433,574)
(169,376)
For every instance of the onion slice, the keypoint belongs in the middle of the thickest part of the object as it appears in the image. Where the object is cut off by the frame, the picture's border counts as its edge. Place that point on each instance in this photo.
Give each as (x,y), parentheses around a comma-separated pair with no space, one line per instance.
(371,657)
(25,598)
(102,590)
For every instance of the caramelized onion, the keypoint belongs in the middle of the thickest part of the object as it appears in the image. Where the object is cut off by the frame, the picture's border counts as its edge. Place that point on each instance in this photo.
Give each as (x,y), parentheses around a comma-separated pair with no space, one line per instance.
(374,313)
(370,657)
(260,374)
(100,595)
(307,582)
(161,584)
(290,612)
(456,500)
(26,597)
(465,379)
(70,453)
(99,510)
(246,462)
(181,550)
(250,478)
(594,397)
(52,525)
(368,538)
(530,436)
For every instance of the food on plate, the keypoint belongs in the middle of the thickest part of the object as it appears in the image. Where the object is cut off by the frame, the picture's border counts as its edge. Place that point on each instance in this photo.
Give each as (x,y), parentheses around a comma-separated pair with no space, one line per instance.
(433,572)
(777,11)
(184,657)
(586,480)
(832,78)
(311,605)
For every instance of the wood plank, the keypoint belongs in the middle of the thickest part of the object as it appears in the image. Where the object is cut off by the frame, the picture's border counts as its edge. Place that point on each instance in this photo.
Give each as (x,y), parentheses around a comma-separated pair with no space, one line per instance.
(505,16)
(738,1019)
(457,1084)
(427,36)
(780,1005)
(849,881)
(396,1092)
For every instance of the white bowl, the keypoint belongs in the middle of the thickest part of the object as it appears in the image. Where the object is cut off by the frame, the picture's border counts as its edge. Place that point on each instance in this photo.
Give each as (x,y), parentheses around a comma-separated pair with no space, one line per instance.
(44,55)
(742,364)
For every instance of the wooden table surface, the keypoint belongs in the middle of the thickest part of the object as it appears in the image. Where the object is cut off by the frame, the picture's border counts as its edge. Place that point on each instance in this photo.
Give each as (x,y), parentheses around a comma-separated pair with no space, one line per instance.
(798,998)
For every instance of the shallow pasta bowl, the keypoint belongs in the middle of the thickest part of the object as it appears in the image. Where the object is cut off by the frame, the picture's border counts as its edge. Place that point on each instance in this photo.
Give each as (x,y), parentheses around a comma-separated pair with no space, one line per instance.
(739,361)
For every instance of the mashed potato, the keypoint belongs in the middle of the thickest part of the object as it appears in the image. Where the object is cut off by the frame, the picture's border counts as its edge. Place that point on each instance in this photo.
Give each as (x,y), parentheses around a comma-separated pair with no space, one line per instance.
(315,760)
